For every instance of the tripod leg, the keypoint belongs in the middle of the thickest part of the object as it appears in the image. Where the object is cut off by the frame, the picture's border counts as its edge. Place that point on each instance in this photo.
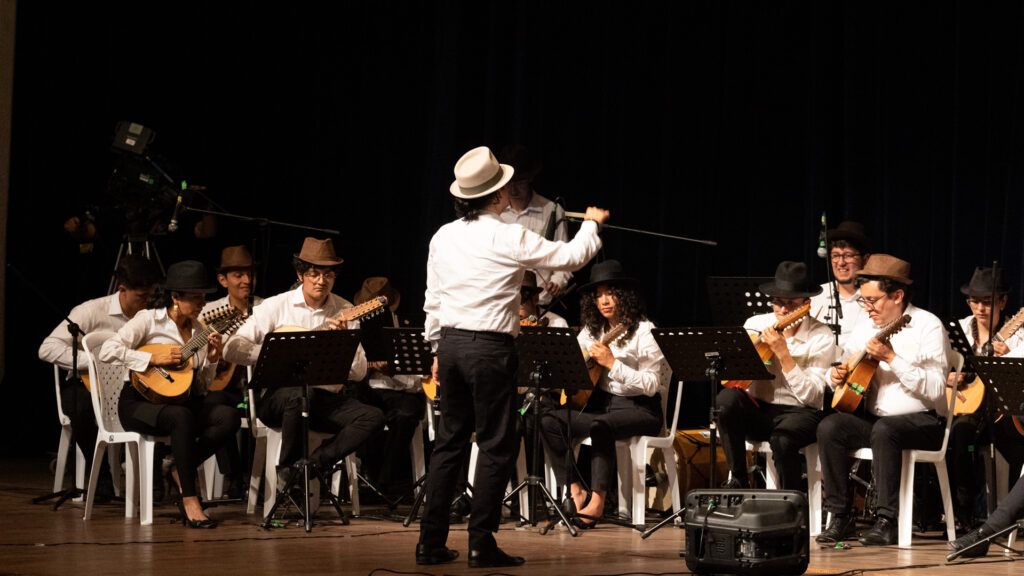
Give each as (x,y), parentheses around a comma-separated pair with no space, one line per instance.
(661,524)
(417,502)
(558,509)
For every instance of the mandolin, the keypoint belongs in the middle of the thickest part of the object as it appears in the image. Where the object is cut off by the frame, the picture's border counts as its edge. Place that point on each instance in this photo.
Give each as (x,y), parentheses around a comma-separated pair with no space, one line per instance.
(790,320)
(367,309)
(595,370)
(971,394)
(163,385)
(862,368)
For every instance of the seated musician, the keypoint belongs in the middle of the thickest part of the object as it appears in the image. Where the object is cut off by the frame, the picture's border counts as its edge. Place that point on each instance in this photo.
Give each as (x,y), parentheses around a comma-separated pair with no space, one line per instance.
(197,428)
(849,249)
(400,397)
(529,305)
(972,431)
(1009,511)
(136,279)
(234,274)
(626,401)
(784,411)
(905,400)
(309,306)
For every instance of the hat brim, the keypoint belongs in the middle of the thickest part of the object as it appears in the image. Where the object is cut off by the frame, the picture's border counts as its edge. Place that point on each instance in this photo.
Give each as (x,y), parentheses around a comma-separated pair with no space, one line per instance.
(335,262)
(859,239)
(966,290)
(619,281)
(506,176)
(771,289)
(901,279)
(192,289)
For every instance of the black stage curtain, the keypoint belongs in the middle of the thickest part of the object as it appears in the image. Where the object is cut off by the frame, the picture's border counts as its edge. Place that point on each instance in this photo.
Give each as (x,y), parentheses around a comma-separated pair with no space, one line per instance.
(737,122)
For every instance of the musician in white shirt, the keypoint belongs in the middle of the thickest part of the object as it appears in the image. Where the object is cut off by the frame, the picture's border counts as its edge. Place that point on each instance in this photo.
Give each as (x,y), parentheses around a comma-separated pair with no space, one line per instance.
(905,400)
(626,402)
(474,271)
(309,306)
(848,249)
(785,411)
(970,432)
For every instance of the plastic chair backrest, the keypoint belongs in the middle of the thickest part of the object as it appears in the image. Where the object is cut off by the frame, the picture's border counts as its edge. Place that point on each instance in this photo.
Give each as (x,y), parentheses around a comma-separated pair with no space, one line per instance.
(958,362)
(106,382)
(61,416)
(675,413)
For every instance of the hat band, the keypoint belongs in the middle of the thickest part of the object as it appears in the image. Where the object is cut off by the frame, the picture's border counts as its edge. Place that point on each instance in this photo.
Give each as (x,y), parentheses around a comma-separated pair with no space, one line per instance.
(477,189)
(787,286)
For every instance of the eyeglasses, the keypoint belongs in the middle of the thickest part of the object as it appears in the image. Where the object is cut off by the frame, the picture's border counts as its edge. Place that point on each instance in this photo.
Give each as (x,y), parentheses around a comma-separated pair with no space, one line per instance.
(868,302)
(787,302)
(316,274)
(847,256)
(975,302)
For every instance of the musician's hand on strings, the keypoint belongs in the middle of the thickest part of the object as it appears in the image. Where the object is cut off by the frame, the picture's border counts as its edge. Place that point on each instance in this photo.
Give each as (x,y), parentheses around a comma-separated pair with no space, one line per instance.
(553,289)
(336,324)
(433,372)
(214,347)
(954,380)
(597,215)
(171,357)
(1000,348)
(837,375)
(775,341)
(602,354)
(880,350)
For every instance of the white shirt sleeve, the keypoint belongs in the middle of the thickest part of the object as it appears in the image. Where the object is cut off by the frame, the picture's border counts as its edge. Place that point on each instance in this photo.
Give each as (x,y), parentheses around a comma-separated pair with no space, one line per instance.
(652,372)
(532,251)
(432,303)
(121,348)
(925,376)
(808,382)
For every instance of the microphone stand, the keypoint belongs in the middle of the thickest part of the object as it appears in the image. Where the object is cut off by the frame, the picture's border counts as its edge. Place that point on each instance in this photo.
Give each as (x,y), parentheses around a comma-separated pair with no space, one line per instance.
(835,315)
(989,350)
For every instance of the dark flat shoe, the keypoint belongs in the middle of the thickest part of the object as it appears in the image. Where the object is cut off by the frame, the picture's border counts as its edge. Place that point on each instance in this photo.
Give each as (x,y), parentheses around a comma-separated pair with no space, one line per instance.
(430,556)
(495,558)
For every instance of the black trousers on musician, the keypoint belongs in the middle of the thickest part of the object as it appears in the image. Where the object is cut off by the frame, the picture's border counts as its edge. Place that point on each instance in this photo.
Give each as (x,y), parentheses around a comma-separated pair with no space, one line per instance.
(839,434)
(197,429)
(350,421)
(228,458)
(969,437)
(388,458)
(477,371)
(613,418)
(787,429)
(1010,510)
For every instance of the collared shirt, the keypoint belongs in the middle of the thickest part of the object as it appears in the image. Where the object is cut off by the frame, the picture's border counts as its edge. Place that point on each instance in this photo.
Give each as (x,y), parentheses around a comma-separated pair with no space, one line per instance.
(813,350)
(916,380)
(223,301)
(289,309)
(475,270)
(555,321)
(152,326)
(1013,342)
(91,316)
(535,217)
(854,315)
(640,368)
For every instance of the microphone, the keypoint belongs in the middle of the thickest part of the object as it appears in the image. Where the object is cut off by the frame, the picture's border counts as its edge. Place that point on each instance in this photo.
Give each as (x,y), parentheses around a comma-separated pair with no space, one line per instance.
(527,402)
(172,226)
(822,250)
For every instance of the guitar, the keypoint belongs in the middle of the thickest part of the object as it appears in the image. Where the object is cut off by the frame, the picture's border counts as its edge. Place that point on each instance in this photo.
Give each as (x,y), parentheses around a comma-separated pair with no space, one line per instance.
(971,394)
(862,368)
(763,350)
(595,370)
(367,309)
(163,385)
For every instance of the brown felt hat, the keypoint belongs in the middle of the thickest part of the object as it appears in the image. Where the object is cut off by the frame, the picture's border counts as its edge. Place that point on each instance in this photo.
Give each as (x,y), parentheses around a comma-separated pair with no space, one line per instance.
(886,266)
(378,286)
(234,258)
(319,252)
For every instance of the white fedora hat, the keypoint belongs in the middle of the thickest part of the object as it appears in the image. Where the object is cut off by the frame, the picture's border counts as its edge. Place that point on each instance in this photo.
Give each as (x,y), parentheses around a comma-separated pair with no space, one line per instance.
(478,173)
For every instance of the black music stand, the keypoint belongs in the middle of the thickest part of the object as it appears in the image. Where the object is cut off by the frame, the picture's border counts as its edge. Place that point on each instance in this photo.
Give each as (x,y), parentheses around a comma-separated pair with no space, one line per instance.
(549,358)
(958,340)
(735,298)
(713,354)
(305,359)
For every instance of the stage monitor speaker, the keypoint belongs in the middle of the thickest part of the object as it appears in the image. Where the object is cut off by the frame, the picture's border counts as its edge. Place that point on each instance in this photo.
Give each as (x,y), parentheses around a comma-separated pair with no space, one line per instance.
(756,532)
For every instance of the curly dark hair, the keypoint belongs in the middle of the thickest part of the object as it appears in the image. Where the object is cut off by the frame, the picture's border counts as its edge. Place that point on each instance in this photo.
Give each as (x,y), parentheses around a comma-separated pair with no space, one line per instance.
(471,209)
(631,309)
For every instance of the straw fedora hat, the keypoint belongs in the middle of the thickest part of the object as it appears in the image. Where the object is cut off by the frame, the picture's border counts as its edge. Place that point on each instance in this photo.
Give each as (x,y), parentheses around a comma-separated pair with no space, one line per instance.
(318,252)
(478,173)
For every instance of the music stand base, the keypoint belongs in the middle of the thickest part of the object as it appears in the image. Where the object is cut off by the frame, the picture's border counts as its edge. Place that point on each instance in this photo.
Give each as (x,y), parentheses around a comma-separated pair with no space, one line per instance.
(62,496)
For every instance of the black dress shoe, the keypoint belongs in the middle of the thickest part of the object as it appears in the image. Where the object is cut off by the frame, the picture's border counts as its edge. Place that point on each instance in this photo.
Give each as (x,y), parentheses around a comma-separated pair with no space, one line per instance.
(429,556)
(883,533)
(839,529)
(970,538)
(493,559)
(733,484)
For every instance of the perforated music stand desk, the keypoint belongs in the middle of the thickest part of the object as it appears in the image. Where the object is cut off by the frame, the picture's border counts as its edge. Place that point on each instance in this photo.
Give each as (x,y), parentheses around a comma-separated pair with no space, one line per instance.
(958,340)
(733,299)
(305,359)
(1003,377)
(714,354)
(408,352)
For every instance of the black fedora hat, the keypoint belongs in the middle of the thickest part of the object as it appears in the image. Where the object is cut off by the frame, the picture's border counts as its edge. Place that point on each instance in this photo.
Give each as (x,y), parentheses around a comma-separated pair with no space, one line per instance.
(791,281)
(188,276)
(607,272)
(982,282)
(852,232)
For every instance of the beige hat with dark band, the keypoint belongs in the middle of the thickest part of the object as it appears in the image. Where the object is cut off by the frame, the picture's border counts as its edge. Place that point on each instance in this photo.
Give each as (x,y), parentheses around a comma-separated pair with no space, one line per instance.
(478,173)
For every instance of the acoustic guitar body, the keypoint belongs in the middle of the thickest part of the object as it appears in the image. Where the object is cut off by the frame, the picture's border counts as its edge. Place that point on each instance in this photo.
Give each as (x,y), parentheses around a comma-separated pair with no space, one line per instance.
(764,351)
(158,388)
(848,396)
(971,396)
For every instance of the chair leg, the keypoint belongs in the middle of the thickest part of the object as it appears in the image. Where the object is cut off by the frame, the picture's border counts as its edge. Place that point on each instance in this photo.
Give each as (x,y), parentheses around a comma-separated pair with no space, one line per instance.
(143,455)
(114,453)
(669,454)
(906,514)
(94,473)
(207,479)
(259,458)
(80,471)
(270,472)
(947,499)
(352,467)
(62,458)
(771,474)
(524,495)
(813,488)
(638,454)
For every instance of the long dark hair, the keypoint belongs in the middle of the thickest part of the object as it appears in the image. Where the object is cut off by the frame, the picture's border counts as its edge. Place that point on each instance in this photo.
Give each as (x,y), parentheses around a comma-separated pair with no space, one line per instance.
(630,308)
(470,210)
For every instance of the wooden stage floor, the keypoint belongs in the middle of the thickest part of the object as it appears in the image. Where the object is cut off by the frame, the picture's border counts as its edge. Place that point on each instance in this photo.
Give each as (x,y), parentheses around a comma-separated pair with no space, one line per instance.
(36,540)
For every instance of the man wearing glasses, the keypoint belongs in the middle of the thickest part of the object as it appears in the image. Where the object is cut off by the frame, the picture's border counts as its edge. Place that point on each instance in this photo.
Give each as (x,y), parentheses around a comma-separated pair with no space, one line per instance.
(849,248)
(308,306)
(970,431)
(904,405)
(784,411)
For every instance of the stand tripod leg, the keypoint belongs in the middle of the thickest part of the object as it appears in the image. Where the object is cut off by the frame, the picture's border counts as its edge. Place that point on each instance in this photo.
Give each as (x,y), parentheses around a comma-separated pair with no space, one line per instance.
(661,524)
(418,501)
(558,509)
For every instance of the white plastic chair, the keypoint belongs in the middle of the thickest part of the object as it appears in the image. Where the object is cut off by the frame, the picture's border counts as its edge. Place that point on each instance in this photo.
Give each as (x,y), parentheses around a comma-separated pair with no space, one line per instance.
(813,479)
(912,457)
(65,444)
(524,495)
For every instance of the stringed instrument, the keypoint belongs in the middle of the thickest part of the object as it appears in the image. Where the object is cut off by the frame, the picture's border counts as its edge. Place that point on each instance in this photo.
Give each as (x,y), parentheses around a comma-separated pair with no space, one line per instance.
(861,369)
(971,394)
(764,351)
(595,370)
(367,309)
(163,385)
